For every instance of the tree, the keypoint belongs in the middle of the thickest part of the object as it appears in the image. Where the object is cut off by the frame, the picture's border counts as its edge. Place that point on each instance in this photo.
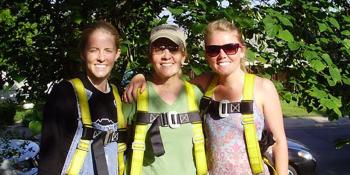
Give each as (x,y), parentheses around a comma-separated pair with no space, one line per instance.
(306,42)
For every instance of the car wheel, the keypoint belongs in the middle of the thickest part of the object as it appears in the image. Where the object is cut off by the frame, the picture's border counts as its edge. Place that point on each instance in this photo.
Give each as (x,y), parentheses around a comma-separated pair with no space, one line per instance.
(291,170)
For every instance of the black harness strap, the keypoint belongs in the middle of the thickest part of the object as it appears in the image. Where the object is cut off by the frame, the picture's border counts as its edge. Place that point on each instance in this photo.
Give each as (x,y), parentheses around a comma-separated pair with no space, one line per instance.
(164,120)
(212,107)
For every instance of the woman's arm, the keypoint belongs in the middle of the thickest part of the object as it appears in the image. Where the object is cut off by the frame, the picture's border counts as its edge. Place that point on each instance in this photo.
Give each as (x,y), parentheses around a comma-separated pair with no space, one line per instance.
(139,81)
(130,92)
(274,119)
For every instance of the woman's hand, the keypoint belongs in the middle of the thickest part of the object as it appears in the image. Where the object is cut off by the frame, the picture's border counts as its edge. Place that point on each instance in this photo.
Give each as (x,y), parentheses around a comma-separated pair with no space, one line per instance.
(130,92)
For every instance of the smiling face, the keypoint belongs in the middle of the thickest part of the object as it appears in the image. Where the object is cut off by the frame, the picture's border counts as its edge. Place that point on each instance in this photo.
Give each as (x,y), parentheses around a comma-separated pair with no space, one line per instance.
(99,54)
(225,63)
(166,58)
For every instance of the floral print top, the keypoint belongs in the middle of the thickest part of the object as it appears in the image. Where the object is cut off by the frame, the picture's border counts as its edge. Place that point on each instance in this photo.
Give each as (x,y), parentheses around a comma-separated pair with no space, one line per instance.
(225,144)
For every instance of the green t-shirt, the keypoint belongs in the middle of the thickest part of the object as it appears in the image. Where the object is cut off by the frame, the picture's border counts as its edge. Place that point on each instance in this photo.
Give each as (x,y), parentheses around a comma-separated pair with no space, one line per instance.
(178,146)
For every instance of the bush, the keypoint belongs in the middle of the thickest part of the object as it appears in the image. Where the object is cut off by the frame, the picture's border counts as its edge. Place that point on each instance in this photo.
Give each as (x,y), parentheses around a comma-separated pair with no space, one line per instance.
(7,113)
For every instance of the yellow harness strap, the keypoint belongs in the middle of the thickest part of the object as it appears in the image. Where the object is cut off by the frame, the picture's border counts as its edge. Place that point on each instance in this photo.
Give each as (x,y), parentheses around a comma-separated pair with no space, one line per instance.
(198,136)
(121,126)
(251,139)
(252,144)
(138,145)
(83,146)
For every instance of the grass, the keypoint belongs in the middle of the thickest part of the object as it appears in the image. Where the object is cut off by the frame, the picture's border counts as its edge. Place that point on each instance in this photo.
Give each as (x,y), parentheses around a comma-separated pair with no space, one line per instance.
(293,110)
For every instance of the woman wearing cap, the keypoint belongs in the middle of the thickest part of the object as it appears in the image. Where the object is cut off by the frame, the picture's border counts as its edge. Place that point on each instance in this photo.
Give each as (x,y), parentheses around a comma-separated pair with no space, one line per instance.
(167,125)
(226,147)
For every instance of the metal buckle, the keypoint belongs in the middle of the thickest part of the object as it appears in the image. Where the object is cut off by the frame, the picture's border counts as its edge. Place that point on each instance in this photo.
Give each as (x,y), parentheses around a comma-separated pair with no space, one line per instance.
(111,136)
(138,146)
(171,123)
(223,112)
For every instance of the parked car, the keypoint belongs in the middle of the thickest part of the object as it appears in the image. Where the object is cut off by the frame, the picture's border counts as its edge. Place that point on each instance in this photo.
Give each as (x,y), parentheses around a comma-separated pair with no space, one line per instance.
(301,161)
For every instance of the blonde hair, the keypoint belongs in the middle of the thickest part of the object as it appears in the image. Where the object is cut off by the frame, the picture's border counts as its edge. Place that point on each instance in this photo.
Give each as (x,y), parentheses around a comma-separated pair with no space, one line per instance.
(226,26)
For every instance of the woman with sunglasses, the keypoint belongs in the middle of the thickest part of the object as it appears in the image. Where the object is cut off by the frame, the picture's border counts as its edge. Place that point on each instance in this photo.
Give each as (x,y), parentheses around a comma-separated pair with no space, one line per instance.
(165,116)
(227,151)
(226,148)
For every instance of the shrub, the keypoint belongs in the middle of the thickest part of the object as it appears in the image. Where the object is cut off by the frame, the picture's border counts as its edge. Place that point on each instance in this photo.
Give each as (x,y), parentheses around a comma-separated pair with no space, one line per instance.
(7,113)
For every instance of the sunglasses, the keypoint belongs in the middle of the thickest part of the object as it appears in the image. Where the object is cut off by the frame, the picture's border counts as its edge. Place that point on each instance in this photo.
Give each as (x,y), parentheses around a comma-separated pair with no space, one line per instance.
(229,49)
(160,49)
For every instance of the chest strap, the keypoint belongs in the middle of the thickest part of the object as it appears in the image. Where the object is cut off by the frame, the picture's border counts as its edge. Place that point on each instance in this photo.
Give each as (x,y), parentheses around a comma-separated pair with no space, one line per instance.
(101,138)
(251,140)
(172,119)
(168,119)
(221,109)
(109,136)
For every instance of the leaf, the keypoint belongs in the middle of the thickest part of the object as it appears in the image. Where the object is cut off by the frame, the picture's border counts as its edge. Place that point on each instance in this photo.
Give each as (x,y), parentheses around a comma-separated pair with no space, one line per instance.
(261,59)
(198,28)
(317,93)
(334,22)
(328,103)
(345,32)
(284,20)
(346,43)
(269,20)
(331,82)
(251,55)
(293,46)
(197,70)
(309,54)
(175,11)
(288,96)
(327,59)
(346,18)
(272,29)
(346,80)
(335,73)
(322,27)
(285,35)
(317,65)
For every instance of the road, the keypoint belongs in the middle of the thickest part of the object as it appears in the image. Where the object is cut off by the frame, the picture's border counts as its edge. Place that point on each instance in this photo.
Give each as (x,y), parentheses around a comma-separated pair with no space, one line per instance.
(320,139)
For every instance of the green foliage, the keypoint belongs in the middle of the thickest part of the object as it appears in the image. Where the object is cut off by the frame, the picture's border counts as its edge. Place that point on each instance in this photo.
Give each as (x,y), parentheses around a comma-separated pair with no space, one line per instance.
(308,41)
(7,113)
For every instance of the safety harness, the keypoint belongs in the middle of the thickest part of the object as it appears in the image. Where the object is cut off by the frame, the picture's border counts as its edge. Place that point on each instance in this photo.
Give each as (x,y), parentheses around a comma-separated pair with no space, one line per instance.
(169,119)
(224,108)
(96,138)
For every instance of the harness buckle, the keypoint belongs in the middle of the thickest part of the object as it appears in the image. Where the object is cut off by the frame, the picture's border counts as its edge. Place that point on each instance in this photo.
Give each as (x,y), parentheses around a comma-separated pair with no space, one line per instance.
(138,146)
(223,108)
(111,136)
(172,118)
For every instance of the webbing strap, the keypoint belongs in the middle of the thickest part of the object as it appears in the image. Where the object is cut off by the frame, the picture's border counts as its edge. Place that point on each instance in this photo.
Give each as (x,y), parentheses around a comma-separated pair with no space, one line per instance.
(198,137)
(78,157)
(141,129)
(83,146)
(252,144)
(138,145)
(121,126)
(251,139)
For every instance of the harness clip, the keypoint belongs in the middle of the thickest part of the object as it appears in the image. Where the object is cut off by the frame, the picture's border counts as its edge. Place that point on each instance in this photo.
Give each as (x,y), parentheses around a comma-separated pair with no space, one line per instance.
(173,121)
(223,108)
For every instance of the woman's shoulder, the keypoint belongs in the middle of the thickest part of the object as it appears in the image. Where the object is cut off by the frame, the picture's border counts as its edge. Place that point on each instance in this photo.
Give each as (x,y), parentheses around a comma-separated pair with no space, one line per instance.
(264,87)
